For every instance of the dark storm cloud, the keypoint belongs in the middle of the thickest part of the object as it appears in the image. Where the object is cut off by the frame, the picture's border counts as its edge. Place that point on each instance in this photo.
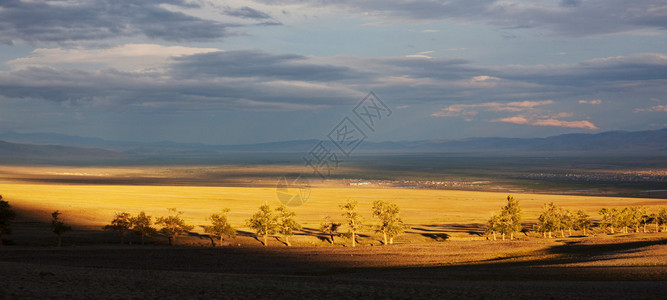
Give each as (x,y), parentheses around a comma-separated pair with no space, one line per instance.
(259,64)
(255,80)
(55,21)
(566,17)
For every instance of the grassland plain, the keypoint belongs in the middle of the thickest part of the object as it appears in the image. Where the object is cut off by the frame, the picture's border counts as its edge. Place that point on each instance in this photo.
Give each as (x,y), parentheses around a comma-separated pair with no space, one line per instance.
(442,255)
(95,205)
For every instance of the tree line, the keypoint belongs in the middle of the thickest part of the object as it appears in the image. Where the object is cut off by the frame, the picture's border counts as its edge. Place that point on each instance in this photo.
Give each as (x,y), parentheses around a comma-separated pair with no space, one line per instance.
(555,219)
(268,222)
(265,222)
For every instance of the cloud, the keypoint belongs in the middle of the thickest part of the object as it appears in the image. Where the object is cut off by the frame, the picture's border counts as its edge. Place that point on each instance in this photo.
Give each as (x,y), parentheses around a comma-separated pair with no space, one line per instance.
(418,56)
(532,114)
(430,31)
(470,109)
(72,21)
(260,64)
(172,78)
(568,17)
(129,57)
(548,122)
(247,13)
(657,108)
(594,101)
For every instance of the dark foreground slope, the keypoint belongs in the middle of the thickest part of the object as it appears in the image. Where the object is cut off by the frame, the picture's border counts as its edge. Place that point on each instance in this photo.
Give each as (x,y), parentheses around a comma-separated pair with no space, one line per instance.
(591,268)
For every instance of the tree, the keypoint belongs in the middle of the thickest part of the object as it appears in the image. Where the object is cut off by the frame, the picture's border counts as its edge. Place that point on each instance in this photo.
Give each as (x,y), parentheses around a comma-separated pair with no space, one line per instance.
(121,222)
(286,223)
(6,217)
(582,221)
(391,223)
(609,218)
(661,219)
(173,225)
(492,226)
(59,227)
(141,225)
(330,228)
(353,220)
(635,217)
(220,226)
(549,220)
(566,221)
(263,223)
(509,221)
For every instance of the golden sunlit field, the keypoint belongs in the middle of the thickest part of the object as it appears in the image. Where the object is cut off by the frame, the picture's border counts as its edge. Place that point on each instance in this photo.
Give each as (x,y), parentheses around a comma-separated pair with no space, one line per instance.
(95,205)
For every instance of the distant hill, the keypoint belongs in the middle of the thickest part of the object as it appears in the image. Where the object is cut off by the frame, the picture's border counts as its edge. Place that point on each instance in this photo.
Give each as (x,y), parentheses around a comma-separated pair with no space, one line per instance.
(650,142)
(14,153)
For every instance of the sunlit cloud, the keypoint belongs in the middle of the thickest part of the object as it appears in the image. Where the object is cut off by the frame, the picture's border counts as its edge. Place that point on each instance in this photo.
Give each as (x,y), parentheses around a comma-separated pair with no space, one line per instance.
(657,108)
(594,101)
(548,122)
(466,109)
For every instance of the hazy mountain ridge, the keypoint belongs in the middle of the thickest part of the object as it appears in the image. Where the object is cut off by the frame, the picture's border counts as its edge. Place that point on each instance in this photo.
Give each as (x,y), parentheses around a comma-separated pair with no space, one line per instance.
(45,147)
(28,153)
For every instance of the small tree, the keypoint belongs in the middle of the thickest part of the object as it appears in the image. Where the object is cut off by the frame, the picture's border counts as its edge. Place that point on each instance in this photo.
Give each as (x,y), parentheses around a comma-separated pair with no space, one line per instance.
(636,213)
(141,225)
(509,221)
(609,218)
(7,215)
(59,227)
(661,219)
(329,228)
(173,225)
(353,220)
(263,223)
(121,222)
(582,221)
(391,223)
(286,223)
(492,226)
(566,221)
(220,226)
(549,220)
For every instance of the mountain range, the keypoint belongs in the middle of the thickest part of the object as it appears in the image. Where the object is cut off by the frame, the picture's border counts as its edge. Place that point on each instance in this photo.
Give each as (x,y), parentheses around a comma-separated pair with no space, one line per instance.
(54,148)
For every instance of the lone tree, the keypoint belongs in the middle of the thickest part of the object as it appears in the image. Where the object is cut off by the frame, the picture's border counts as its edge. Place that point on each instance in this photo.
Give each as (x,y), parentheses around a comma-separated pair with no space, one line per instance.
(609,218)
(6,217)
(173,225)
(509,221)
(549,220)
(59,227)
(330,228)
(141,225)
(582,221)
(220,226)
(391,223)
(353,220)
(263,222)
(286,223)
(121,223)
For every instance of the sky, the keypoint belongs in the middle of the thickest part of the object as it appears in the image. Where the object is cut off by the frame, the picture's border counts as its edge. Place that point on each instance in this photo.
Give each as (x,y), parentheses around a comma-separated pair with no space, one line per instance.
(236,72)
